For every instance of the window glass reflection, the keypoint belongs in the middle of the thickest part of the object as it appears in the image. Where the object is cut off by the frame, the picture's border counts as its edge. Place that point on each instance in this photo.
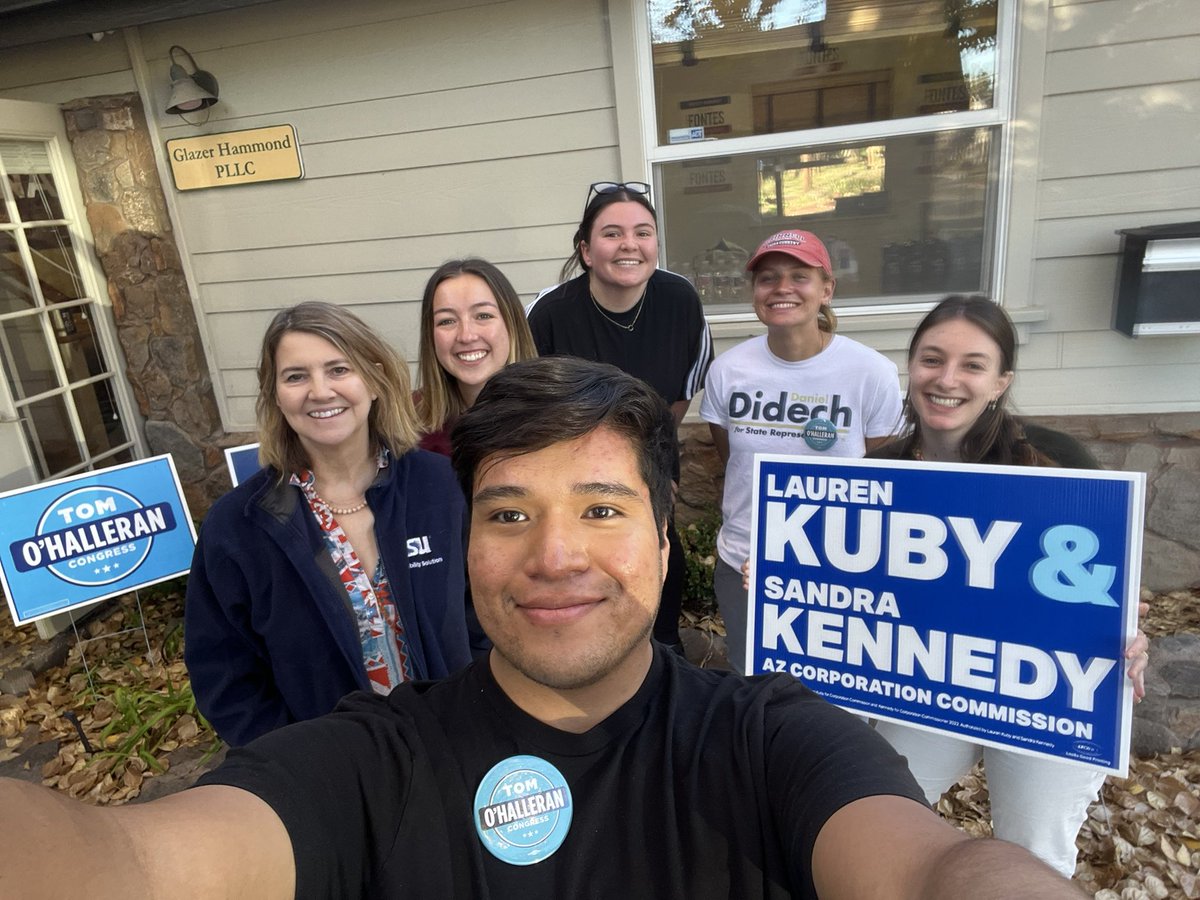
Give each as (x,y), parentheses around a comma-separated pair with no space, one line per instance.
(15,292)
(36,197)
(28,364)
(730,68)
(806,184)
(903,216)
(54,262)
(115,459)
(97,410)
(77,344)
(27,168)
(48,428)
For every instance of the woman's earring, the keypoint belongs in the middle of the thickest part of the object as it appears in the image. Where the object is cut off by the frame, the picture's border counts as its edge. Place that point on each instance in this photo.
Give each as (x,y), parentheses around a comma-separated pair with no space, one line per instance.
(992,406)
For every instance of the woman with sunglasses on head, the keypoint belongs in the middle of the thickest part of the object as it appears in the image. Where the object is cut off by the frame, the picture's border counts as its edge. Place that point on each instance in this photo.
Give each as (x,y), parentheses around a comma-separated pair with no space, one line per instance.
(339,566)
(472,326)
(961,361)
(799,389)
(622,309)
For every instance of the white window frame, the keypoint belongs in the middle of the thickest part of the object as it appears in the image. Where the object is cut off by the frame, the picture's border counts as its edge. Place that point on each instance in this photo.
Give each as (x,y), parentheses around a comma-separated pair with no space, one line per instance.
(641,154)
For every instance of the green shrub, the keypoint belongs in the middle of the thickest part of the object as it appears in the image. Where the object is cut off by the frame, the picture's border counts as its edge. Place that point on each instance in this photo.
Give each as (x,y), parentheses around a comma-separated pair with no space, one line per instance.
(699,541)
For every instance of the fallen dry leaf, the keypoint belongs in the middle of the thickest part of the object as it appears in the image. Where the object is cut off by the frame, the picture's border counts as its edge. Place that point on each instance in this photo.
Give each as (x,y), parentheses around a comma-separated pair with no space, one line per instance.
(1140,840)
(118,662)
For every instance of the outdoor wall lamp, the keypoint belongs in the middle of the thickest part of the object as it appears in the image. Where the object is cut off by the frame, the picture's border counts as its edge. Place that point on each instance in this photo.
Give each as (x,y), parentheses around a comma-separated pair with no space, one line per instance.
(192,90)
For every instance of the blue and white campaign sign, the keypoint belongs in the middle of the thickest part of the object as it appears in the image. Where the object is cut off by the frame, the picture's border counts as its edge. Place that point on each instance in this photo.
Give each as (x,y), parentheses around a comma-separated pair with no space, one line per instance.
(70,542)
(242,462)
(990,602)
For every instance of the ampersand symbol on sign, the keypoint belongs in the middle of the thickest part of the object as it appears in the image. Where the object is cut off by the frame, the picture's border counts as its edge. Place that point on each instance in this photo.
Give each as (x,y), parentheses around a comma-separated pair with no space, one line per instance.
(1062,574)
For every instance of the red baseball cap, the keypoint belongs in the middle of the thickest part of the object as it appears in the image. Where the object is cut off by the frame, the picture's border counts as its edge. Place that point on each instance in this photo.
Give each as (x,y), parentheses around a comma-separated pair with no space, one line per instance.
(802,245)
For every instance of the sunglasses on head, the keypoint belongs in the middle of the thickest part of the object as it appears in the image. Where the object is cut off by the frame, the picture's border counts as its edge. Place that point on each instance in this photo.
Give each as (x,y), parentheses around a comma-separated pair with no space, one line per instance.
(611,187)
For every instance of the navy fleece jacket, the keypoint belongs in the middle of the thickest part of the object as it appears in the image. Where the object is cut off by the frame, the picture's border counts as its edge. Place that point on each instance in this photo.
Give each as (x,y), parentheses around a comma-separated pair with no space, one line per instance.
(270,637)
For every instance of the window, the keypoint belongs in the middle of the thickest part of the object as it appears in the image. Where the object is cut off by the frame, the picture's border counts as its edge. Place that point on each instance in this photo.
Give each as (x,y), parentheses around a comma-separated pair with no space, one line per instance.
(59,411)
(873,123)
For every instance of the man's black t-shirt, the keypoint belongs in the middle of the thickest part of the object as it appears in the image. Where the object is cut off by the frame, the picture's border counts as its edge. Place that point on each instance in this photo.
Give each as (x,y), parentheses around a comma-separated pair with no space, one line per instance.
(703,785)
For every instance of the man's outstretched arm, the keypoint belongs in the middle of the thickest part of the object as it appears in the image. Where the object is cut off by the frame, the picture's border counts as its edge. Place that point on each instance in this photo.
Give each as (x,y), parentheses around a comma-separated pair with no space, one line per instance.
(206,842)
(893,847)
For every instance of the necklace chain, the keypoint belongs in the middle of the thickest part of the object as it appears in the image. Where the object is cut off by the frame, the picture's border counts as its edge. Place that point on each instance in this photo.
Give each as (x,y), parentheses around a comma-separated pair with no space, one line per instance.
(342,510)
(640,304)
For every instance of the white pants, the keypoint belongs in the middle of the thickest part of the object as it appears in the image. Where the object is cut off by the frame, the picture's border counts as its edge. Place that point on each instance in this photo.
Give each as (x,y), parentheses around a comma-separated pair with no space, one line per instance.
(1037,803)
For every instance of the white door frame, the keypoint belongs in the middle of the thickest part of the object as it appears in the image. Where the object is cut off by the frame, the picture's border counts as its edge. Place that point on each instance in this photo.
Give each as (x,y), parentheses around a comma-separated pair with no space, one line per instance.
(23,120)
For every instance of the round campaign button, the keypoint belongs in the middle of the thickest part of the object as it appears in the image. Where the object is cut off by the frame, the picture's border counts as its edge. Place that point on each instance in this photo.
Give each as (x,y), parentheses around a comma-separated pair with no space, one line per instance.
(820,434)
(522,810)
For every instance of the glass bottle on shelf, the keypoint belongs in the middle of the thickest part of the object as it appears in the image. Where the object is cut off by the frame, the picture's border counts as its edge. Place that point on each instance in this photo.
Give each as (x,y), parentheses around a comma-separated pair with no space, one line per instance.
(720,273)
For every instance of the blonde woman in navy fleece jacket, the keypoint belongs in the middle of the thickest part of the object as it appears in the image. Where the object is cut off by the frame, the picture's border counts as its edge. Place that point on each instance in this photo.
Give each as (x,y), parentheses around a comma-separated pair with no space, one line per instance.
(339,566)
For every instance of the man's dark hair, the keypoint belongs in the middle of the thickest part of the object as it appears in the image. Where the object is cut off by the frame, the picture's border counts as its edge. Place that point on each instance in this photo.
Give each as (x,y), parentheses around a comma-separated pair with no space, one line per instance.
(528,406)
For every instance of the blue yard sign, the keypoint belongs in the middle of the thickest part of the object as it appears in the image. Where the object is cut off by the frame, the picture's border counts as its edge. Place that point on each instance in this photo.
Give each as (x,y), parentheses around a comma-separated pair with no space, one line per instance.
(70,542)
(242,462)
(990,602)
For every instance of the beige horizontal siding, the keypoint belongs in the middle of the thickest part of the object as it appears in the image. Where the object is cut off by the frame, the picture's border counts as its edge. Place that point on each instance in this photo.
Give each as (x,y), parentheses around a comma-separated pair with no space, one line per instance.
(1116,66)
(503,246)
(1098,23)
(440,130)
(1135,129)
(523,191)
(1097,235)
(368,288)
(75,61)
(1163,192)
(1076,292)
(1103,389)
(1119,148)
(328,65)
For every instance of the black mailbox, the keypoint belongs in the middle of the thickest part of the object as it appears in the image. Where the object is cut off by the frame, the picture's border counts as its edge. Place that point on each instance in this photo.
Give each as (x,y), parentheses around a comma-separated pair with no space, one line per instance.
(1158,280)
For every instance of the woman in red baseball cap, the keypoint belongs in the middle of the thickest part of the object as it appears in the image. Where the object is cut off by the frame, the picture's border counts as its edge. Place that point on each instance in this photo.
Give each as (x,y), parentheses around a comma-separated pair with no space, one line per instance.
(801,388)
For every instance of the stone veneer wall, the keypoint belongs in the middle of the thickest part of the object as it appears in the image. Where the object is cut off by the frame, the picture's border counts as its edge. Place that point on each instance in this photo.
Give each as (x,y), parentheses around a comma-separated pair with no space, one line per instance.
(1165,446)
(156,323)
(1169,717)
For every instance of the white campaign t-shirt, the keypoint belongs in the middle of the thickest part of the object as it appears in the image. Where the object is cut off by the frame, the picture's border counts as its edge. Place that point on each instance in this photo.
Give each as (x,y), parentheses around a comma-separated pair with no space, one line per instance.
(827,405)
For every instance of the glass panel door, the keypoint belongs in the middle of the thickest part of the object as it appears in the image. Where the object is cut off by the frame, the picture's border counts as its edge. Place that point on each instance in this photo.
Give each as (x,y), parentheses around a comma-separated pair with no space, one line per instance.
(60,409)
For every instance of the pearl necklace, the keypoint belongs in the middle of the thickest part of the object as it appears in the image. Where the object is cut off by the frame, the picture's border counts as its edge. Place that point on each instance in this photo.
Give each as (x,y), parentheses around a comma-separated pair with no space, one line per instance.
(629,327)
(343,510)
